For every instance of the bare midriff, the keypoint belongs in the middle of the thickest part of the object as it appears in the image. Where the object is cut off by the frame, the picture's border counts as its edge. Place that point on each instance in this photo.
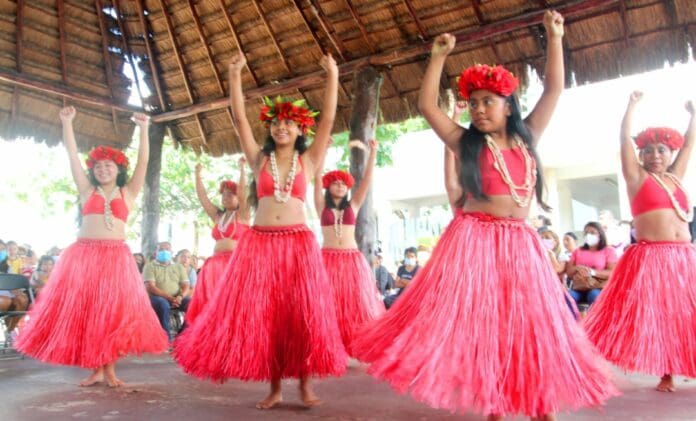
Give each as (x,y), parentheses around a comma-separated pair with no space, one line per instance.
(93,226)
(502,206)
(272,213)
(345,241)
(226,244)
(661,225)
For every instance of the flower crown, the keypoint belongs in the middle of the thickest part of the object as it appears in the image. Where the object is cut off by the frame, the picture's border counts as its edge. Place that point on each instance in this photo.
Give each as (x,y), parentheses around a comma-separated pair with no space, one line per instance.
(102,152)
(228,185)
(337,175)
(482,76)
(285,109)
(670,137)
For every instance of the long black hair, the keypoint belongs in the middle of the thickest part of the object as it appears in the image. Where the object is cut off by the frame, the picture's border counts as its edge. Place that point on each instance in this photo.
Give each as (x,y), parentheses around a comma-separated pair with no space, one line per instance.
(329,202)
(471,144)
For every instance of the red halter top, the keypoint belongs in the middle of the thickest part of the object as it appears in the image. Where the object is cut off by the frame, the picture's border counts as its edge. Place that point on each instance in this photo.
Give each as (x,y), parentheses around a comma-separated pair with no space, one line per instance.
(264,187)
(234,231)
(651,196)
(492,182)
(328,217)
(95,206)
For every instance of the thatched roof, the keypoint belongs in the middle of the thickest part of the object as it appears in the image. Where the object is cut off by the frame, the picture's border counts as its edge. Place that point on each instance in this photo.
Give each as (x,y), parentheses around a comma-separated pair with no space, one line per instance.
(50,50)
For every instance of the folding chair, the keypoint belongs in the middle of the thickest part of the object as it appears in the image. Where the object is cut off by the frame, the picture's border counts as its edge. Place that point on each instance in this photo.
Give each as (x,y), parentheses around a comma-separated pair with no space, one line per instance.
(10,282)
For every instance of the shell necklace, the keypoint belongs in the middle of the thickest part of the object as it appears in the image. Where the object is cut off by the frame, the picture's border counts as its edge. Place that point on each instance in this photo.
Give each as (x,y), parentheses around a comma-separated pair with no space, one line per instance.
(282,196)
(222,224)
(338,223)
(529,170)
(684,216)
(108,215)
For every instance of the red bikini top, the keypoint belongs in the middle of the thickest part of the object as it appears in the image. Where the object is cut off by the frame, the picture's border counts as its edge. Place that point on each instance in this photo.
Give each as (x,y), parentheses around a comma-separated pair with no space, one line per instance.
(651,196)
(264,187)
(233,231)
(95,206)
(328,217)
(492,181)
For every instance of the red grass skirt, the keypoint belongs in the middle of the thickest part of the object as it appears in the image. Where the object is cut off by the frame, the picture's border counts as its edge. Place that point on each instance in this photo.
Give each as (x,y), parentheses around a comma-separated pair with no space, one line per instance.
(275,318)
(93,310)
(207,283)
(484,326)
(645,318)
(355,291)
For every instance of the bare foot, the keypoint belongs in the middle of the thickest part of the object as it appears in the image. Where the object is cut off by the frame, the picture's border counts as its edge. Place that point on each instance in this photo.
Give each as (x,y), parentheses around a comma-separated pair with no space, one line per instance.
(307,395)
(666,384)
(96,377)
(110,374)
(274,398)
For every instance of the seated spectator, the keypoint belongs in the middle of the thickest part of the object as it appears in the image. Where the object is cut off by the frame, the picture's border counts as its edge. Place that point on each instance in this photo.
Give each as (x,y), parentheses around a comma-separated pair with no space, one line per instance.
(29,263)
(541,223)
(14,260)
(4,267)
(184,258)
(590,266)
(167,284)
(140,261)
(40,276)
(404,275)
(384,279)
(557,257)
(570,243)
(15,300)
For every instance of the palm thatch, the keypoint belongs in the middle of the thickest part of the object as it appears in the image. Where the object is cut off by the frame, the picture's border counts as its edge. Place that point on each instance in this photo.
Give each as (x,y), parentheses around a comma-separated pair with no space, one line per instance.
(74,51)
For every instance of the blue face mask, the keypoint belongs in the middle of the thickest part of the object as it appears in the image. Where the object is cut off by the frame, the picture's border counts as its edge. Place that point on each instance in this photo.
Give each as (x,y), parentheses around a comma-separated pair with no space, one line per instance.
(3,255)
(409,261)
(163,256)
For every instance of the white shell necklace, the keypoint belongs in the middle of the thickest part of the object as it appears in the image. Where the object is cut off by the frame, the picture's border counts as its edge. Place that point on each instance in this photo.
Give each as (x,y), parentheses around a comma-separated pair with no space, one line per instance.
(108,215)
(684,216)
(282,196)
(529,171)
(223,224)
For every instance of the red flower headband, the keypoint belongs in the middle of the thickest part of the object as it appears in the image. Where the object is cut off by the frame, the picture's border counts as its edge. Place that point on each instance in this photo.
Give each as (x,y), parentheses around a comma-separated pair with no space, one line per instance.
(284,109)
(102,152)
(337,175)
(228,185)
(670,137)
(482,76)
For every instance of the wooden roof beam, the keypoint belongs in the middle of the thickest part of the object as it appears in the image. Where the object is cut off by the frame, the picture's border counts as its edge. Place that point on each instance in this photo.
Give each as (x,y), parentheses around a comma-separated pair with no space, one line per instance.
(235,35)
(180,62)
(151,56)
(328,29)
(19,31)
(356,18)
(393,57)
(126,48)
(417,21)
(108,71)
(273,38)
(61,90)
(60,5)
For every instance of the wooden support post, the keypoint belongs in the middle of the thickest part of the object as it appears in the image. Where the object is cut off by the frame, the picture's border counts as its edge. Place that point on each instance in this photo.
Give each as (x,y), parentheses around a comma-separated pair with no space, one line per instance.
(151,192)
(363,120)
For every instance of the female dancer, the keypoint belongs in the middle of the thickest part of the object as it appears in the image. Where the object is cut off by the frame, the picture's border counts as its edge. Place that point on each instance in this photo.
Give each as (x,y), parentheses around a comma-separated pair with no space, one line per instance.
(231,222)
(277,318)
(94,308)
(495,337)
(353,284)
(454,189)
(645,319)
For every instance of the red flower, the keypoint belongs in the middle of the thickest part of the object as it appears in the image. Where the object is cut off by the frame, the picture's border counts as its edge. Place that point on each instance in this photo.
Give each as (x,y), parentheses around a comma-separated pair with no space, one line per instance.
(496,79)
(653,135)
(284,109)
(337,175)
(102,152)
(228,185)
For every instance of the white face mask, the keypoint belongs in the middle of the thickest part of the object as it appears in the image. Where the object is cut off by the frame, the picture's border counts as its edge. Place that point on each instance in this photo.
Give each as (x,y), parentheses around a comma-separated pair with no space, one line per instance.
(410,262)
(591,239)
(548,243)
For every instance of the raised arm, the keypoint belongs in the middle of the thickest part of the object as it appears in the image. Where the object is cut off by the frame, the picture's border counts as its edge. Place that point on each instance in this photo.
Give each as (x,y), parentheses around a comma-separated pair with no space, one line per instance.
(251,149)
(210,209)
(244,214)
(137,180)
(361,192)
(554,76)
(317,149)
(629,162)
(452,186)
(446,129)
(682,160)
(67,115)
(318,187)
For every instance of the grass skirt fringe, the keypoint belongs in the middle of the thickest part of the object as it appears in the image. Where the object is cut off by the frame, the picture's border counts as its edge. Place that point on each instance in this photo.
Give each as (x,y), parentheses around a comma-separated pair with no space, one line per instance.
(93,310)
(484,327)
(208,283)
(645,318)
(274,319)
(355,291)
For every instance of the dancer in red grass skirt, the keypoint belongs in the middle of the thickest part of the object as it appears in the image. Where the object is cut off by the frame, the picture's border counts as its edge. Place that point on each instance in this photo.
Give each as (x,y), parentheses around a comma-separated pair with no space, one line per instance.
(645,318)
(276,318)
(231,222)
(353,283)
(484,326)
(94,308)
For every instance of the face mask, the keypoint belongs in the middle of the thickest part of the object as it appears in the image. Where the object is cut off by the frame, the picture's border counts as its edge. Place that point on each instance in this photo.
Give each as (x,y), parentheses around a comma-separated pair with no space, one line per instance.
(163,256)
(410,262)
(548,243)
(3,255)
(591,239)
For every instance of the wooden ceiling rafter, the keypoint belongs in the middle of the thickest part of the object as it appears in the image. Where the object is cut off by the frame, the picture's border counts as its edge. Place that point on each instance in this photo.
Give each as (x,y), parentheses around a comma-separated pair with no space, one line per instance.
(126,48)
(363,31)
(60,6)
(182,67)
(476,4)
(235,35)
(151,56)
(279,50)
(108,71)
(414,16)
(328,29)
(19,31)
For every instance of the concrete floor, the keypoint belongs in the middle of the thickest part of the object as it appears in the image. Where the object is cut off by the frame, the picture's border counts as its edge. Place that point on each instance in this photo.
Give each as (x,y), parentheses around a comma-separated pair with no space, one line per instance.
(158,390)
